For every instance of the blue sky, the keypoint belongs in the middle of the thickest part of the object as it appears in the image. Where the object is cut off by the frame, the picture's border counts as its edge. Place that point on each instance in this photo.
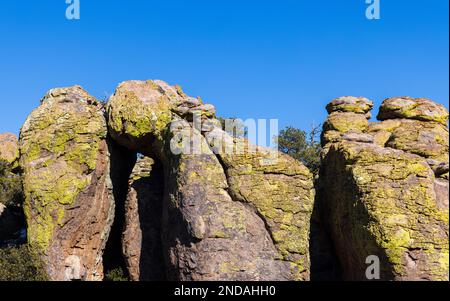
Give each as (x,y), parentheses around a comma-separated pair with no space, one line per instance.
(252,59)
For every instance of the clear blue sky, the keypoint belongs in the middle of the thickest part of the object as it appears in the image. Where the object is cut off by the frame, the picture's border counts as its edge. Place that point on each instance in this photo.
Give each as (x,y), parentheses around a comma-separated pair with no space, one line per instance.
(252,59)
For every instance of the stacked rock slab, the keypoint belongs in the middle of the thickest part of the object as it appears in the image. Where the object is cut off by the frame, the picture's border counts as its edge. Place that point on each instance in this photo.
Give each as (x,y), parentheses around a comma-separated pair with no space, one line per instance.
(417,126)
(384,191)
(216,224)
(348,120)
(69,205)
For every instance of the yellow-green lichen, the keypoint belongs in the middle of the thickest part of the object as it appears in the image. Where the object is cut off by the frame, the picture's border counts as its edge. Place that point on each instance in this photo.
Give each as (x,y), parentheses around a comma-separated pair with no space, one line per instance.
(59,150)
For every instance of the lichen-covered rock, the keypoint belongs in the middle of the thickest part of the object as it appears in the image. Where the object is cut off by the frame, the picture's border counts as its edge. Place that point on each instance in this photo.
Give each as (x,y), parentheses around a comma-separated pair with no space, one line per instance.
(141,239)
(440,169)
(217,224)
(9,149)
(280,190)
(413,108)
(68,200)
(208,235)
(360,105)
(426,139)
(383,202)
(382,131)
(382,197)
(346,122)
(140,111)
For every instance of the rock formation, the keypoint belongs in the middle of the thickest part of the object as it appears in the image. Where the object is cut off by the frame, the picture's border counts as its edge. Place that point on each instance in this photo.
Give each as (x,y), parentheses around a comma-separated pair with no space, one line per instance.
(384,188)
(203,204)
(141,239)
(224,217)
(69,204)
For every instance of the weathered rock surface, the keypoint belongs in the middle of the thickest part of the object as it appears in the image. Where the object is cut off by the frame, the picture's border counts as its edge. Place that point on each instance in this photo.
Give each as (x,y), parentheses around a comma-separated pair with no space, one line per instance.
(348,120)
(413,108)
(201,204)
(217,225)
(359,105)
(383,197)
(9,148)
(426,139)
(69,204)
(141,239)
(278,188)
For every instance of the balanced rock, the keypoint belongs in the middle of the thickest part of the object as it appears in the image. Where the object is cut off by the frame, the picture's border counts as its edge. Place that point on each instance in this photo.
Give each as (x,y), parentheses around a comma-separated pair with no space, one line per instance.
(413,108)
(360,105)
(348,119)
(216,225)
(140,111)
(68,201)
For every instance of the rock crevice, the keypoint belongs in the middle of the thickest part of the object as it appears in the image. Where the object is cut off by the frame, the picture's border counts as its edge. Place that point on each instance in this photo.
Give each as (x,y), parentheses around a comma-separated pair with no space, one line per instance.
(151,183)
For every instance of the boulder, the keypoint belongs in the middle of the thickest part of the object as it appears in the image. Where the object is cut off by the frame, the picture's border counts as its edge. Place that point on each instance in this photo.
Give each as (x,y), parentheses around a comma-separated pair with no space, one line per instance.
(140,111)
(68,193)
(413,108)
(360,105)
(426,139)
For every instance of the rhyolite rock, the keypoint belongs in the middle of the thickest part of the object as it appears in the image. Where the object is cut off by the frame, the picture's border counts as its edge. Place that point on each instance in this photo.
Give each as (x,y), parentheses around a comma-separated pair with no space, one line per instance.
(68,201)
(348,119)
(360,105)
(9,148)
(201,204)
(413,108)
(141,239)
(389,196)
(207,234)
(345,122)
(426,139)
(417,126)
(243,217)
(278,188)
